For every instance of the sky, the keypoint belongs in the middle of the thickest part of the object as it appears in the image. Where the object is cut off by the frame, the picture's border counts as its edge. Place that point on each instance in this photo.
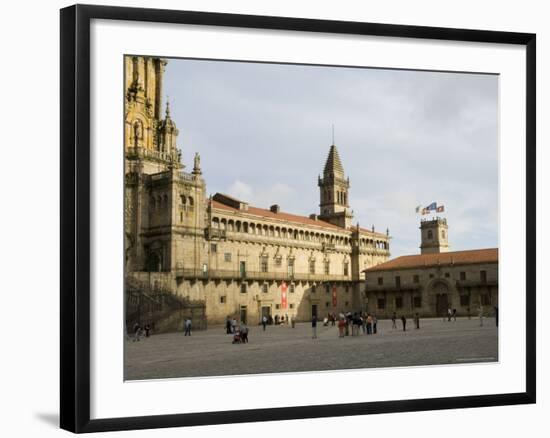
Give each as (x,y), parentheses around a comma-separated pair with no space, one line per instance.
(405,138)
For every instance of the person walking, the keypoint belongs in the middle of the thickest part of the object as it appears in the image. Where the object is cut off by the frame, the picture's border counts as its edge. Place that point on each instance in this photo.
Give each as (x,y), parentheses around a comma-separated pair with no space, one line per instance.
(187,327)
(233,325)
(449,314)
(314,326)
(341,327)
(404,321)
(369,324)
(137,331)
(374,322)
(147,329)
(496,316)
(228,325)
(244,334)
(481,316)
(393,321)
(454,315)
(417,320)
(264,322)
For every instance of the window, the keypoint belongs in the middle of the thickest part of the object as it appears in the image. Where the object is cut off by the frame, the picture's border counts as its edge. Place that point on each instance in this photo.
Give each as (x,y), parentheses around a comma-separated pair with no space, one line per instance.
(277,306)
(181,216)
(443,234)
(463,276)
(278,261)
(464,300)
(264,288)
(313,289)
(431,275)
(222,299)
(213,247)
(485,299)
(312,266)
(291,306)
(398,281)
(227,256)
(347,303)
(380,281)
(327,288)
(417,301)
(483,276)
(263,264)
(430,234)
(291,267)
(327,304)
(447,275)
(347,289)
(416,279)
(381,303)
(243,288)
(327,267)
(291,288)
(398,302)
(346,269)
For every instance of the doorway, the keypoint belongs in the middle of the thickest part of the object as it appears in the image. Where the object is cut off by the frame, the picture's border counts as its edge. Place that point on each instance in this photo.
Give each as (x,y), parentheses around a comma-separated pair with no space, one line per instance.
(441,304)
(242,315)
(266,311)
(314,311)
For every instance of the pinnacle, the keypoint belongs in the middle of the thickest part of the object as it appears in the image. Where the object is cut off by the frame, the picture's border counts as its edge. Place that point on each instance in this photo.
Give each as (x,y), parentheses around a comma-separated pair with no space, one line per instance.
(333,164)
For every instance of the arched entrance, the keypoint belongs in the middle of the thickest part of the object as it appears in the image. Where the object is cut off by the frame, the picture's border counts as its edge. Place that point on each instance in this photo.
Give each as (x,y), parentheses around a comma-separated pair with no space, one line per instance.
(441,291)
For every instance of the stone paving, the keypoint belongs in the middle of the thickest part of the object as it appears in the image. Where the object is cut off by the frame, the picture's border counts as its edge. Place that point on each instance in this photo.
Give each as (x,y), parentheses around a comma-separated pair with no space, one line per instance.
(285,349)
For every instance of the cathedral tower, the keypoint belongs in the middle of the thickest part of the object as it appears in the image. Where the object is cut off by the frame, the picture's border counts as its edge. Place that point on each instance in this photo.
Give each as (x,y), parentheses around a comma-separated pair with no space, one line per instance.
(149,140)
(334,190)
(434,235)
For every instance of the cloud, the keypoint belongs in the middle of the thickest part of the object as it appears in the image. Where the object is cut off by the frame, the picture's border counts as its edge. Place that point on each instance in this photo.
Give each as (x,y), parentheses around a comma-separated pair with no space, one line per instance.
(405,138)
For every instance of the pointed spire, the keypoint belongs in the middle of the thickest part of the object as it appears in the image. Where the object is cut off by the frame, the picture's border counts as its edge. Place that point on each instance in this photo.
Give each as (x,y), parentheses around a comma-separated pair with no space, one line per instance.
(167,108)
(333,164)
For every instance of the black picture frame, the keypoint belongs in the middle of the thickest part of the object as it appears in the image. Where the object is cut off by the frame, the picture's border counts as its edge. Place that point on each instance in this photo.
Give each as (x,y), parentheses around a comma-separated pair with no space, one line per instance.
(75,217)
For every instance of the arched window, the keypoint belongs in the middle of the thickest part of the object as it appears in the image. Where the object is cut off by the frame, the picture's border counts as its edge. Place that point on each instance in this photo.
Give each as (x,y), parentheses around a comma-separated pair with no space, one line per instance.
(430,234)
(191,202)
(183,199)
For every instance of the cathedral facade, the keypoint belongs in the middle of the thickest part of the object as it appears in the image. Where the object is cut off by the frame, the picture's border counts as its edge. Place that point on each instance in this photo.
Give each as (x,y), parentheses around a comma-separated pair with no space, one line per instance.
(237,259)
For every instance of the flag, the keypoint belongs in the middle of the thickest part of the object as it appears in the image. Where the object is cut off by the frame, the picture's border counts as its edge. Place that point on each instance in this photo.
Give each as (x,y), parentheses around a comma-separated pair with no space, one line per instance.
(284,300)
(418,208)
(440,209)
(432,206)
(334,297)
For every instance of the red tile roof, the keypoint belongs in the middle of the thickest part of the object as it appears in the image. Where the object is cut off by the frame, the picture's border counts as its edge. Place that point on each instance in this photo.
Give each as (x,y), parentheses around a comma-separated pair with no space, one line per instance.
(489,255)
(264,213)
(301,220)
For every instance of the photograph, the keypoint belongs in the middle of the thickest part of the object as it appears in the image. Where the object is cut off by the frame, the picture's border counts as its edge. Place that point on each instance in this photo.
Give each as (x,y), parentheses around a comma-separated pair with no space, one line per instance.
(284,218)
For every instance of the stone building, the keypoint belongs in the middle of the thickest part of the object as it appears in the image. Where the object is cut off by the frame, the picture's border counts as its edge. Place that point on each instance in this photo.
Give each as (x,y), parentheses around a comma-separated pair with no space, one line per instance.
(435,280)
(237,259)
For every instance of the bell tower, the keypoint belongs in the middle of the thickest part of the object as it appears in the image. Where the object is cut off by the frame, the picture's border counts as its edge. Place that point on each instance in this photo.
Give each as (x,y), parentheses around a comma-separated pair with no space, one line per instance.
(149,140)
(334,190)
(434,235)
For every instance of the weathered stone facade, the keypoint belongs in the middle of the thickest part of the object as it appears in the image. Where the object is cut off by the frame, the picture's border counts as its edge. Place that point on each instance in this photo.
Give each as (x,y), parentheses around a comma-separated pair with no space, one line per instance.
(238,259)
(430,284)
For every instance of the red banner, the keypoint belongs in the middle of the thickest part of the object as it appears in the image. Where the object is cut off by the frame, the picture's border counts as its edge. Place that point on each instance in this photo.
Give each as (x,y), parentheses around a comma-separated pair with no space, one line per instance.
(334,296)
(284,300)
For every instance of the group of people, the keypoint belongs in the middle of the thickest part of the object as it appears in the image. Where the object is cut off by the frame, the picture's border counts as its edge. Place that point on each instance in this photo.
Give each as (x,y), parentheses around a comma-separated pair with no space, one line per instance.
(240,335)
(349,323)
(239,332)
(416,321)
(138,331)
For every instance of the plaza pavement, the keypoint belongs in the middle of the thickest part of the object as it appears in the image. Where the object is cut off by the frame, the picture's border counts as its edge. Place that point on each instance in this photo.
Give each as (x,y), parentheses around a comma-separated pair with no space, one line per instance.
(284,349)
